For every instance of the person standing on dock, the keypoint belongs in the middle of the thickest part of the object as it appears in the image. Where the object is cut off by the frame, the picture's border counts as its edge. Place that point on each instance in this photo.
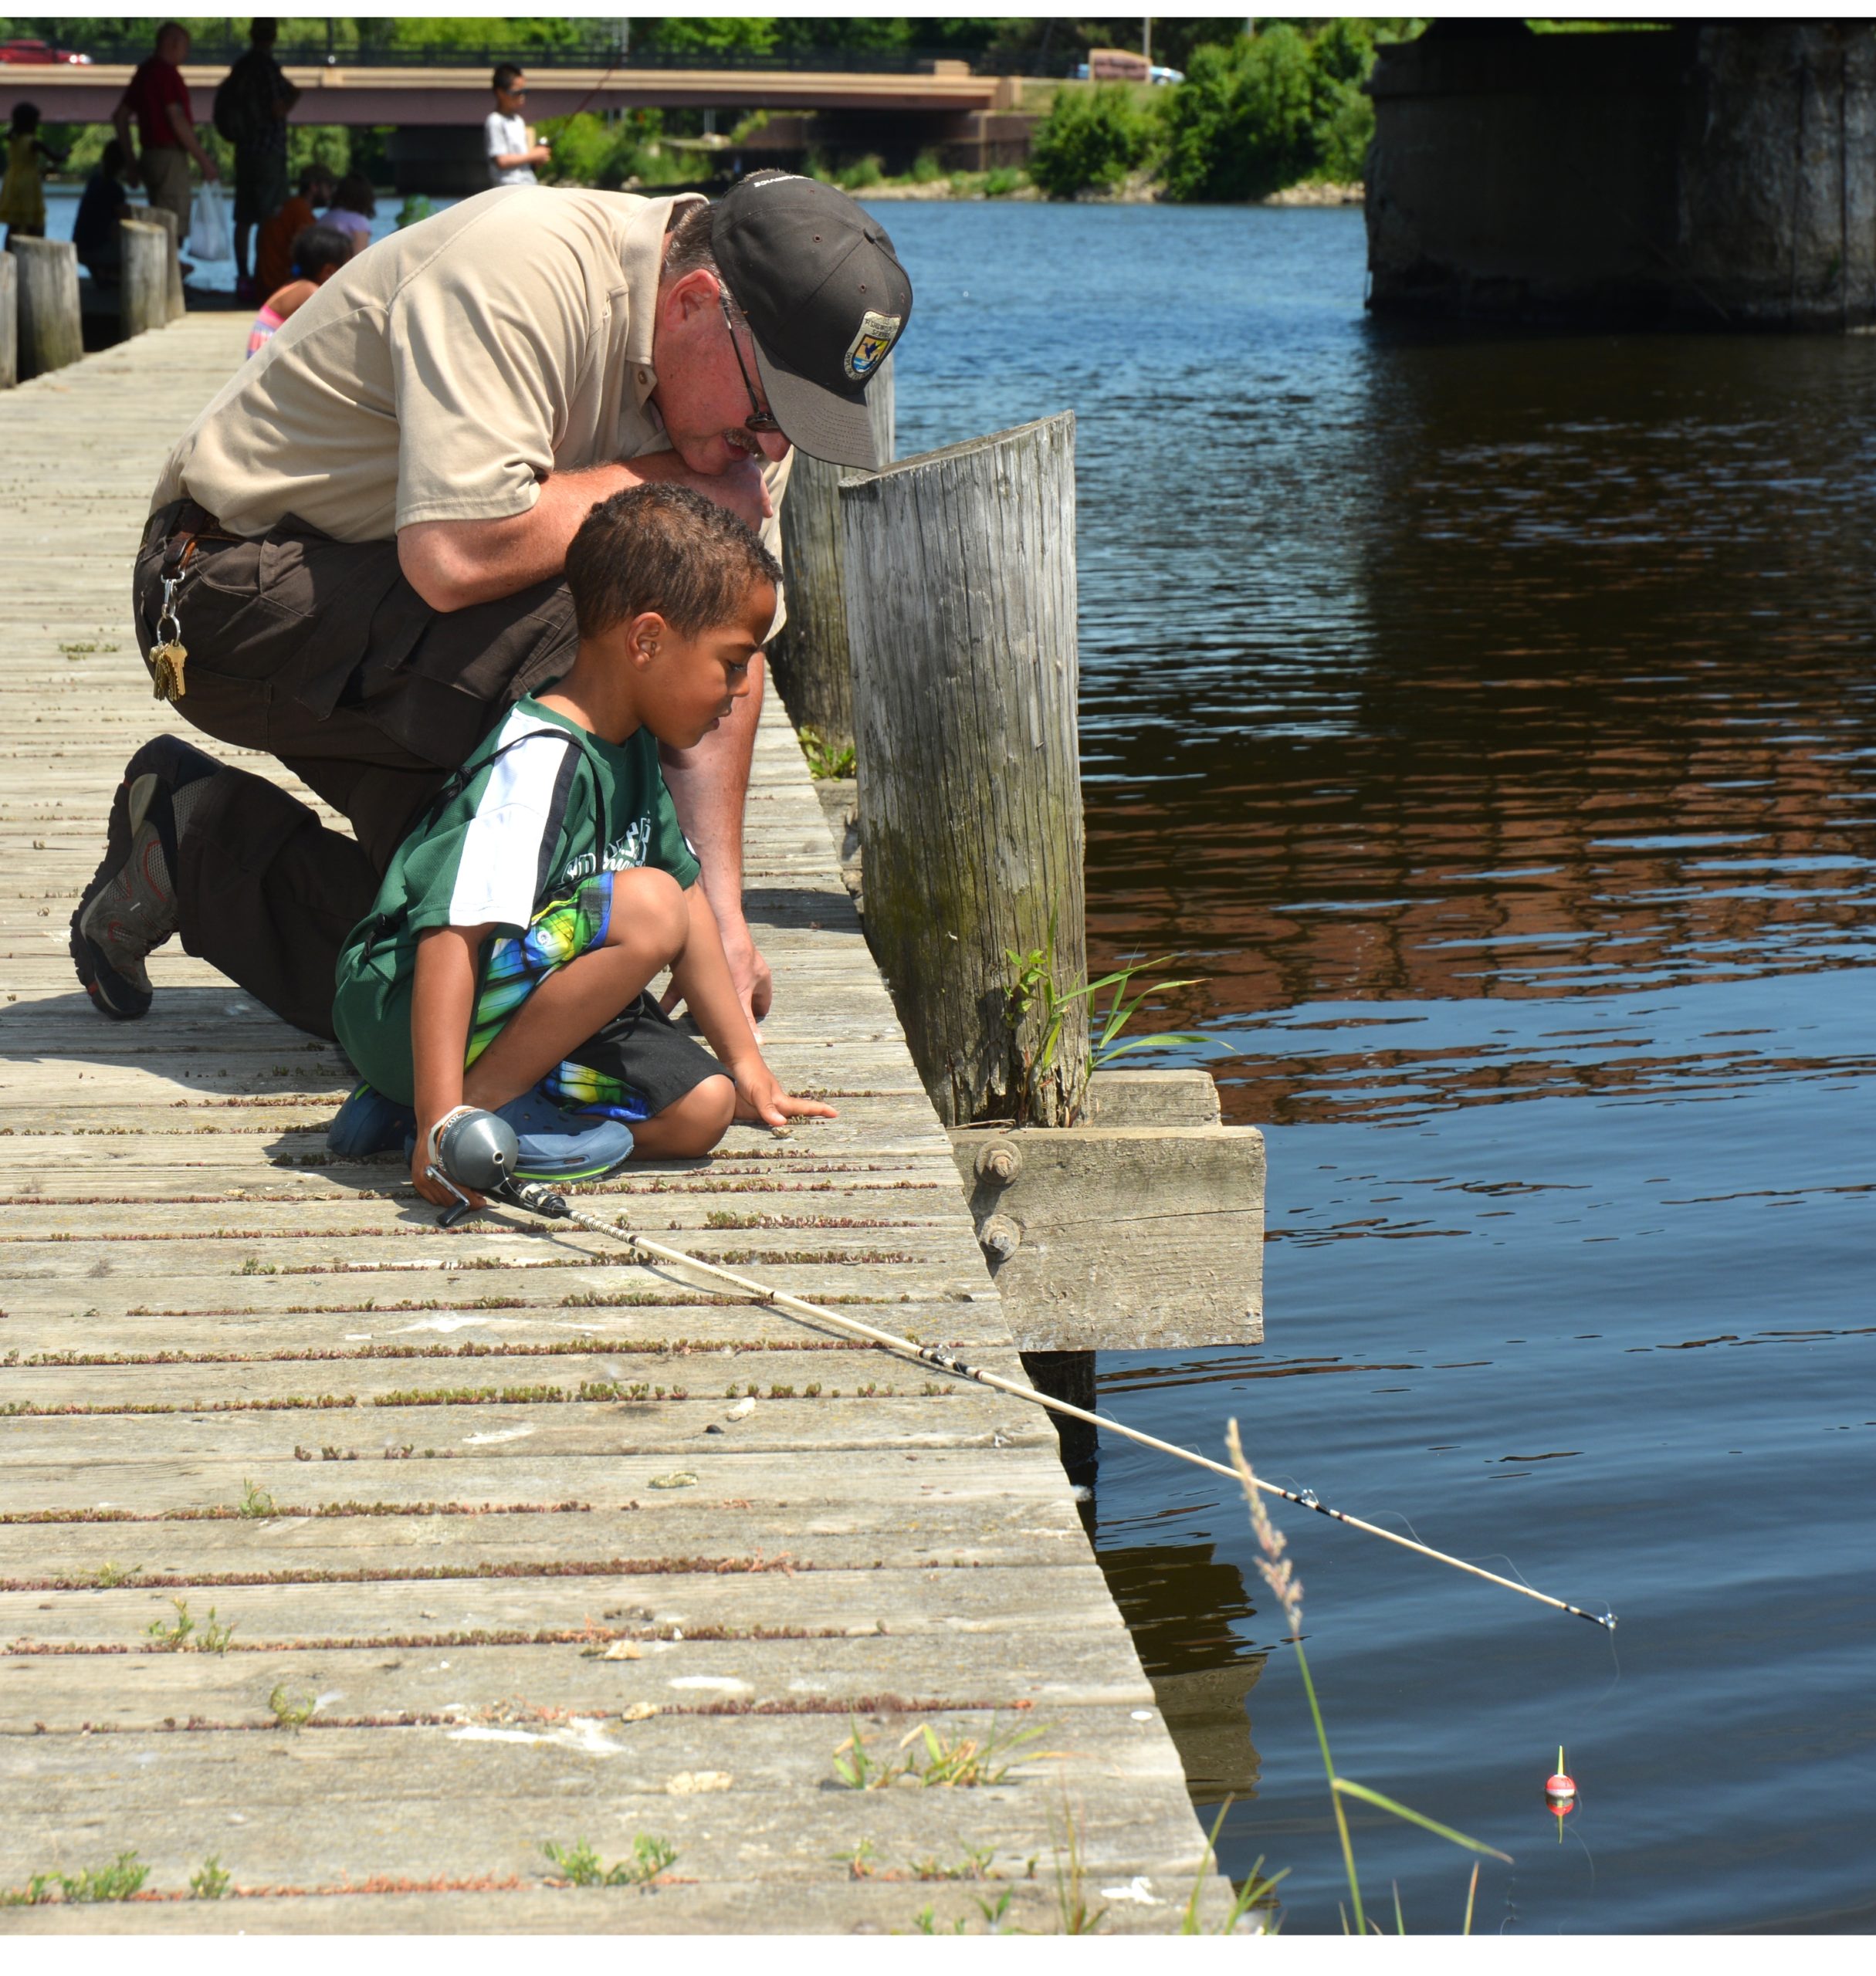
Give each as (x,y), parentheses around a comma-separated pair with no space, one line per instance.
(22,190)
(513,150)
(158,98)
(354,559)
(251,109)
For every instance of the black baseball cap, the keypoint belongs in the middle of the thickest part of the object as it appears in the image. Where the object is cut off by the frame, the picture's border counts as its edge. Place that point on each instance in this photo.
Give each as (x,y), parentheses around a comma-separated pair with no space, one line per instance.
(826,300)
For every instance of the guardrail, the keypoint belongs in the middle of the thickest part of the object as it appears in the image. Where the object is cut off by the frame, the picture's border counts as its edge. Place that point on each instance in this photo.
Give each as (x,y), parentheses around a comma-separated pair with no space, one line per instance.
(208,50)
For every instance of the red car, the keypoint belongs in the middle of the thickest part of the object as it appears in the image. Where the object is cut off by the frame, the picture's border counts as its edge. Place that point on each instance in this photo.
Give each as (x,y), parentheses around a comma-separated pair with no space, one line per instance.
(38,51)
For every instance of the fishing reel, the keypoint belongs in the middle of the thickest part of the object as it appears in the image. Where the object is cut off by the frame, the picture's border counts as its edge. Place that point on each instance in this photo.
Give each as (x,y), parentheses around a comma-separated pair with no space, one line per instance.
(478,1151)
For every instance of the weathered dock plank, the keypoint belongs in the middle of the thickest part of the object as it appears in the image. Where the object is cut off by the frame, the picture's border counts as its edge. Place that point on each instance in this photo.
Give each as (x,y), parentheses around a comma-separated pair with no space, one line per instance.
(553,1548)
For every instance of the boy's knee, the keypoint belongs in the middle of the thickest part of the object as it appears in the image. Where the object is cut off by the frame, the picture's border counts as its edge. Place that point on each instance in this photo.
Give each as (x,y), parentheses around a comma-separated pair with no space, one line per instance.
(699,1118)
(646,901)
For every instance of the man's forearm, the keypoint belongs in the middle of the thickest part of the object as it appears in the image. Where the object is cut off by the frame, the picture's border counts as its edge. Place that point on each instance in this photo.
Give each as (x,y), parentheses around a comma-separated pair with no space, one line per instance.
(453,564)
(709,785)
(702,977)
(186,136)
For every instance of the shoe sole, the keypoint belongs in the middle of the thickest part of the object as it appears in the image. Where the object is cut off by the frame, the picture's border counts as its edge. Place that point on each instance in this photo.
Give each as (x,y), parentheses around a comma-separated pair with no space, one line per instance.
(111,994)
(567,1179)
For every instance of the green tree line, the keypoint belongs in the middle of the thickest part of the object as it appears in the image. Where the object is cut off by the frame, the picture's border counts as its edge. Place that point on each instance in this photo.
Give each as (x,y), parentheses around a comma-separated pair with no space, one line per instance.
(1255,113)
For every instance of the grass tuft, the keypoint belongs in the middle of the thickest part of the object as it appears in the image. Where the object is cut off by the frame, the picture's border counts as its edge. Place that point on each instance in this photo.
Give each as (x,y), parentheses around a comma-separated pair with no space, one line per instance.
(580,1865)
(209,1882)
(291,1711)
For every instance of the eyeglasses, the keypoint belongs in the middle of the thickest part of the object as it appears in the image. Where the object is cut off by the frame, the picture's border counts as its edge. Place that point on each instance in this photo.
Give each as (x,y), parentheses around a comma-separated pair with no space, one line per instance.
(758,420)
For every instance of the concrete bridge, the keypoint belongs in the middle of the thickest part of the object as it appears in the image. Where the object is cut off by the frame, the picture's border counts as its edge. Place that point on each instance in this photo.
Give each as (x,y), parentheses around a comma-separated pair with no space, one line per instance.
(436,113)
(338,94)
(1715,174)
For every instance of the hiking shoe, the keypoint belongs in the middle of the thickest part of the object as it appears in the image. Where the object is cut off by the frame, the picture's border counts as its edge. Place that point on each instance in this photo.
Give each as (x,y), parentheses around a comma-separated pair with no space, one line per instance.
(368,1122)
(129,908)
(557,1145)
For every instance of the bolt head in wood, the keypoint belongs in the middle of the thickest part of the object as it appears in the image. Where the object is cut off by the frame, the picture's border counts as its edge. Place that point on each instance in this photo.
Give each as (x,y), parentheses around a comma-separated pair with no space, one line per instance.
(1001,1236)
(999,1161)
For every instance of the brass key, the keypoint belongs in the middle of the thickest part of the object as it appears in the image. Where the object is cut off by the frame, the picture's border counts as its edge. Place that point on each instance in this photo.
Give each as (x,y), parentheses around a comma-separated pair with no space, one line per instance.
(166,663)
(167,655)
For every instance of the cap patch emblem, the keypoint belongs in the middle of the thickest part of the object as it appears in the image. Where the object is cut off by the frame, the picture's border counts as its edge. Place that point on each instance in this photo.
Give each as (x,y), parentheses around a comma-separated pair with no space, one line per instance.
(868,350)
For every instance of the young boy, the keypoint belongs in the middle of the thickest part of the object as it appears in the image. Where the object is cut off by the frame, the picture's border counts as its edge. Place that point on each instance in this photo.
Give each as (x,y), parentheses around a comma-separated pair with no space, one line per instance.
(505,963)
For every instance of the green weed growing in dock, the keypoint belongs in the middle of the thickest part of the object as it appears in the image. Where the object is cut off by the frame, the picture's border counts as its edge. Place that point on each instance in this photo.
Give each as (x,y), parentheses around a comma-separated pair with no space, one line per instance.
(290,1710)
(209,1881)
(580,1865)
(1035,996)
(1279,1574)
(124,1877)
(825,761)
(1072,1912)
(254,1500)
(959,1763)
(967,1762)
(175,1633)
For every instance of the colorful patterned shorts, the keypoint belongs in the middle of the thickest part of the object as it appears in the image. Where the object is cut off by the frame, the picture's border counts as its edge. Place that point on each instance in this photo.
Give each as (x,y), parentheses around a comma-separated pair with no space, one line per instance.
(637,1065)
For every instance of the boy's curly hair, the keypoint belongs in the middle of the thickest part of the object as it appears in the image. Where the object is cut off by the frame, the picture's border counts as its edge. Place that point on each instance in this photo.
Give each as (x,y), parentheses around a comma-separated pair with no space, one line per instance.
(667,550)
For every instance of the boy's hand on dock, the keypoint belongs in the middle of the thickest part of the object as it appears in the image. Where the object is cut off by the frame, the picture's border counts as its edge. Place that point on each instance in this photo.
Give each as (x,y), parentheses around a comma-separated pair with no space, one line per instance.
(434,1190)
(759,1098)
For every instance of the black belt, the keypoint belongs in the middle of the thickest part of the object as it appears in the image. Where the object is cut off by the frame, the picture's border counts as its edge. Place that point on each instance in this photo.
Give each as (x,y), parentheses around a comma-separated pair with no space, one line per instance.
(188,522)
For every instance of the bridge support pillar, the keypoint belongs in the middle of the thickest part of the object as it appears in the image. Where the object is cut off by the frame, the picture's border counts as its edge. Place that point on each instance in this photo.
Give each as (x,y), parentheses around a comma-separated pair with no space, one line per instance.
(451,160)
(1721,173)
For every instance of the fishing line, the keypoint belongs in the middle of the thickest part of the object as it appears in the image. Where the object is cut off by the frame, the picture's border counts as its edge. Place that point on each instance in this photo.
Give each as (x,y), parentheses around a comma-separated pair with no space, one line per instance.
(476,1150)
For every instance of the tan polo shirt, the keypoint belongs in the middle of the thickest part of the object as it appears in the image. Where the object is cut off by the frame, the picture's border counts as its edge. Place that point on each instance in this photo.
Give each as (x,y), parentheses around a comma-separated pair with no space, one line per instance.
(447,371)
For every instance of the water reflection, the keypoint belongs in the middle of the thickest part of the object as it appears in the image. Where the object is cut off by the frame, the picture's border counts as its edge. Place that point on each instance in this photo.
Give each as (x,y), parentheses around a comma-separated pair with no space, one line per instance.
(1183,1608)
(1601,721)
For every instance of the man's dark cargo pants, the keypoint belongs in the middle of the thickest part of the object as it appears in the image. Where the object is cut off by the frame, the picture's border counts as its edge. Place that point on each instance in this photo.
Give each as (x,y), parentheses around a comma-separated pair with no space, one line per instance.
(319,652)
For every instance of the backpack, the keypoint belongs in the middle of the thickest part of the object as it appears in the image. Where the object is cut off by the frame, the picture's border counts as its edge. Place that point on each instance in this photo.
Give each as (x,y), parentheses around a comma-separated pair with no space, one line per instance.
(243,105)
(228,119)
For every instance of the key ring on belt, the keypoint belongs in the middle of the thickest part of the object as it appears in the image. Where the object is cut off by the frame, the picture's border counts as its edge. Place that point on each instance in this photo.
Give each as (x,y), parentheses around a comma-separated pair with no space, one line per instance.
(168,625)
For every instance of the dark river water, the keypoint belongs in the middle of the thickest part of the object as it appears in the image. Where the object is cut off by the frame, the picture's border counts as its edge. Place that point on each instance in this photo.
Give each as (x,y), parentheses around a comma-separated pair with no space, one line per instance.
(1491,720)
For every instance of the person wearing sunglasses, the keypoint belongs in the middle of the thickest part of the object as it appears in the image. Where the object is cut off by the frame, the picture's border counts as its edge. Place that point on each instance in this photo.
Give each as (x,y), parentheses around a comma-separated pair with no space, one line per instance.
(510,140)
(361,544)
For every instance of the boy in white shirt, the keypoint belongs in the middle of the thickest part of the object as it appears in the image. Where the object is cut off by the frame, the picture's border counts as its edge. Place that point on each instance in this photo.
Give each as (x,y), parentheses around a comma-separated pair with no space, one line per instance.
(513,151)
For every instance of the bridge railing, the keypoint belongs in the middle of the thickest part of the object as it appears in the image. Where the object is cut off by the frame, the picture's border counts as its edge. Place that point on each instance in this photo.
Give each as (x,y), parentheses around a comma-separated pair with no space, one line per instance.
(209,48)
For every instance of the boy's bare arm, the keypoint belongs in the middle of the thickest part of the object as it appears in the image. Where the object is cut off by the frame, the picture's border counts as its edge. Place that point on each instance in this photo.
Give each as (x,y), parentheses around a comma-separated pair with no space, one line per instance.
(702,978)
(441,998)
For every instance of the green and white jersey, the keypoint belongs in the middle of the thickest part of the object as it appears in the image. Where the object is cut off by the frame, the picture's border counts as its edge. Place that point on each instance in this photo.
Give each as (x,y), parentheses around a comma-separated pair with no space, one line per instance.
(540,805)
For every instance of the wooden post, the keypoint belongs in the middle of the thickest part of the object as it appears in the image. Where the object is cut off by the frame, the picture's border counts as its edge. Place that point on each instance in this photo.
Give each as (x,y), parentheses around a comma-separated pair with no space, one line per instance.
(50,336)
(161,216)
(960,584)
(9,322)
(809,657)
(142,280)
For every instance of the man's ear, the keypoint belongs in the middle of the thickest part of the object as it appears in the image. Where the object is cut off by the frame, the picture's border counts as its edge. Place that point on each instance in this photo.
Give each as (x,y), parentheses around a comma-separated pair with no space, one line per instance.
(692,293)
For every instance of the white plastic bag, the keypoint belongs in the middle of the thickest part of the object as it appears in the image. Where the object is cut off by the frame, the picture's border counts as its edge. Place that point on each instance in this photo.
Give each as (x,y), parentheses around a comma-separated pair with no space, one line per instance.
(208,236)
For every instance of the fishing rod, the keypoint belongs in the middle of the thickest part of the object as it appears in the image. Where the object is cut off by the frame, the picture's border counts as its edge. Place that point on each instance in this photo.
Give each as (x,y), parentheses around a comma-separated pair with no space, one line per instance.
(476,1150)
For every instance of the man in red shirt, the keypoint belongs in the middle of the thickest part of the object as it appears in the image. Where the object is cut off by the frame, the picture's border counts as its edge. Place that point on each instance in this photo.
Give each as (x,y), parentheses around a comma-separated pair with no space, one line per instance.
(158,98)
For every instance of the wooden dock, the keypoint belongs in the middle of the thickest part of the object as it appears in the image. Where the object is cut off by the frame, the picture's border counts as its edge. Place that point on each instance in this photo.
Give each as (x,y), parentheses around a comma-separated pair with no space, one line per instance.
(494,1507)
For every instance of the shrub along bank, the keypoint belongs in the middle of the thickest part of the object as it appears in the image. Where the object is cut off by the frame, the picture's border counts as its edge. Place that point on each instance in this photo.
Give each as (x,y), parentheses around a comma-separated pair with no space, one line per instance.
(1254,115)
